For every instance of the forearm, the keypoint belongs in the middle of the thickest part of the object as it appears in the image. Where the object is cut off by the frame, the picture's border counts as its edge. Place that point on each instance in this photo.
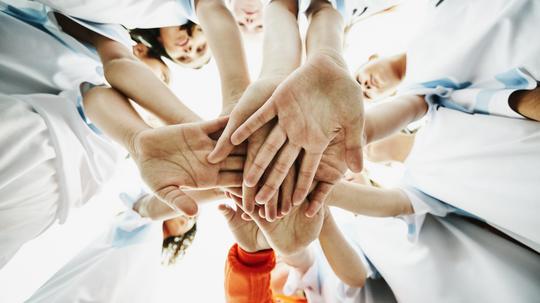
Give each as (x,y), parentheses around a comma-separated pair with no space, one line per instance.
(370,201)
(325,32)
(282,45)
(387,118)
(300,261)
(130,76)
(341,256)
(224,39)
(151,207)
(135,80)
(111,112)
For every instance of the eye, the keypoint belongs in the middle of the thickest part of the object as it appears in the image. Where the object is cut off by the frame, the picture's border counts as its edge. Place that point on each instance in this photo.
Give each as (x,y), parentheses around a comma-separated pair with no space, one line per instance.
(241,24)
(182,58)
(260,27)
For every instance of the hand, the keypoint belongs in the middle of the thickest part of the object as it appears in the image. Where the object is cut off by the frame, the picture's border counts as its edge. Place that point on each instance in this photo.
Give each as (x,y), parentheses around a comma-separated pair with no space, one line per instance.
(247,233)
(315,105)
(254,97)
(173,158)
(292,233)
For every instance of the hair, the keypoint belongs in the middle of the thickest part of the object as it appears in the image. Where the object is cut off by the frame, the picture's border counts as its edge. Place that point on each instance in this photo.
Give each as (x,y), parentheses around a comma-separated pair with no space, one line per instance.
(150,38)
(175,247)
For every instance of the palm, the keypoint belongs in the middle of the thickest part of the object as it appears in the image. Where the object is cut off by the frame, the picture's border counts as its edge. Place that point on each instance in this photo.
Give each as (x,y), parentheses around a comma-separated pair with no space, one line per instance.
(174,157)
(292,233)
(316,105)
(246,233)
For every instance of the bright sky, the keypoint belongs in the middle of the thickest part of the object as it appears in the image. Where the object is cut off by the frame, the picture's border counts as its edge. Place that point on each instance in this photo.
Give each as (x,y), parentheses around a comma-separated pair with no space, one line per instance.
(199,276)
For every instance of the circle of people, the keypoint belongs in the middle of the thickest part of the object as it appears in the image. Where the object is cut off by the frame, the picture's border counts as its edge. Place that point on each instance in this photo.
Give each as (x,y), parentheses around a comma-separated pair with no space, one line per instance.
(462,226)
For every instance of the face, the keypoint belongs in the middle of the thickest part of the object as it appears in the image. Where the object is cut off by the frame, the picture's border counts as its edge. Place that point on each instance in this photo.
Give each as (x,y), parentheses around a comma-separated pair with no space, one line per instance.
(187,50)
(177,226)
(157,66)
(379,78)
(249,15)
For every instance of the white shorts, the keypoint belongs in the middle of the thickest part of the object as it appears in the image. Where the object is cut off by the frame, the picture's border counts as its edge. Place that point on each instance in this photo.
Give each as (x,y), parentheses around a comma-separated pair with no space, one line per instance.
(29,190)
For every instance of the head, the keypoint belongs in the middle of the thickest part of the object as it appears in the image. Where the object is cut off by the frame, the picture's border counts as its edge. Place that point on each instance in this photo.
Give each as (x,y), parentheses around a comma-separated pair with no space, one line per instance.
(379,77)
(178,234)
(248,15)
(185,45)
(152,60)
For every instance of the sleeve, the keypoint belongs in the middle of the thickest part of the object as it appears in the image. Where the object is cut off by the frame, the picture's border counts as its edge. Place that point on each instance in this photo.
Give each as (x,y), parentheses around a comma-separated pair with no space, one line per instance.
(423,204)
(247,276)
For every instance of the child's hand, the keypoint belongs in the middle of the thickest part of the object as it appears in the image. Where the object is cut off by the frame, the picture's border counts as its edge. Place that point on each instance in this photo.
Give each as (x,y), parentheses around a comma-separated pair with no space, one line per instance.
(254,97)
(247,233)
(173,158)
(292,233)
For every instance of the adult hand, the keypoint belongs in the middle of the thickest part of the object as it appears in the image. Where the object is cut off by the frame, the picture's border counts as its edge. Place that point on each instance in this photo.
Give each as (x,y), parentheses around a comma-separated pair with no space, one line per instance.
(173,158)
(247,234)
(254,97)
(315,105)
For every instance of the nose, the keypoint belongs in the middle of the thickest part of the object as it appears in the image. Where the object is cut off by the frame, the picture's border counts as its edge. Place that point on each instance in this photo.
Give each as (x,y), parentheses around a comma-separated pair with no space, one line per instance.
(249,19)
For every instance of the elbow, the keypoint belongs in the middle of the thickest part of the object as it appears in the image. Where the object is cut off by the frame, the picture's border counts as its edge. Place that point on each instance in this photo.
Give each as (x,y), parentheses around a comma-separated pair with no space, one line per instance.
(115,67)
(356,282)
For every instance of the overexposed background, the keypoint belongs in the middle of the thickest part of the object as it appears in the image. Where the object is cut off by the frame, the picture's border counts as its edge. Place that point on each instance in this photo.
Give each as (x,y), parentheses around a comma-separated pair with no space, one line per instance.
(199,276)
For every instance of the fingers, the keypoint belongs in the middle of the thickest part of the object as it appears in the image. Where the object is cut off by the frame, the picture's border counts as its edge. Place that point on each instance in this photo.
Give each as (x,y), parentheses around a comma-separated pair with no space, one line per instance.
(265,155)
(227,211)
(232,163)
(213,126)
(266,113)
(229,179)
(280,170)
(287,189)
(248,198)
(308,168)
(270,209)
(177,200)
(317,198)
(235,191)
(353,147)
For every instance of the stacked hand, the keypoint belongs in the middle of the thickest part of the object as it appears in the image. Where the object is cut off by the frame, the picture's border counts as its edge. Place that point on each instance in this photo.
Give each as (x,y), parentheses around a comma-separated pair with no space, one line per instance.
(173,158)
(319,124)
(286,236)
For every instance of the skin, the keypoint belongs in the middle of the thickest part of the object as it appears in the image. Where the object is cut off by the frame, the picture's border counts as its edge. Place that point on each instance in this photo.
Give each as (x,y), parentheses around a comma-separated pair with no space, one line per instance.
(395,147)
(249,15)
(278,62)
(191,51)
(167,166)
(303,129)
(157,66)
(177,226)
(379,77)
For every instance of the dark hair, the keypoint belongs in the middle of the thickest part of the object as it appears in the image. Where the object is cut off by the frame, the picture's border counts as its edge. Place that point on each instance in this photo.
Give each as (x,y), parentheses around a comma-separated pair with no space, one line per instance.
(150,38)
(174,247)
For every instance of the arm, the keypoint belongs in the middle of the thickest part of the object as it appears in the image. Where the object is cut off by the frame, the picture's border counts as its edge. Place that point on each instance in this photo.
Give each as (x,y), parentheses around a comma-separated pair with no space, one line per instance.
(130,76)
(225,42)
(282,48)
(387,118)
(325,32)
(370,201)
(341,256)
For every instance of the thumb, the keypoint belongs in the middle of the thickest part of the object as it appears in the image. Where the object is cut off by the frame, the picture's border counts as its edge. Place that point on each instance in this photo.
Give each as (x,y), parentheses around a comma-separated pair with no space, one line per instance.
(223,146)
(214,125)
(178,200)
(227,212)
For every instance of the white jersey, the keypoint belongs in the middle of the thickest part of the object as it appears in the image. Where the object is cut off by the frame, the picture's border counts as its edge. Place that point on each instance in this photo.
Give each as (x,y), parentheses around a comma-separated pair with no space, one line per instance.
(485,165)
(452,261)
(471,55)
(130,13)
(121,265)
